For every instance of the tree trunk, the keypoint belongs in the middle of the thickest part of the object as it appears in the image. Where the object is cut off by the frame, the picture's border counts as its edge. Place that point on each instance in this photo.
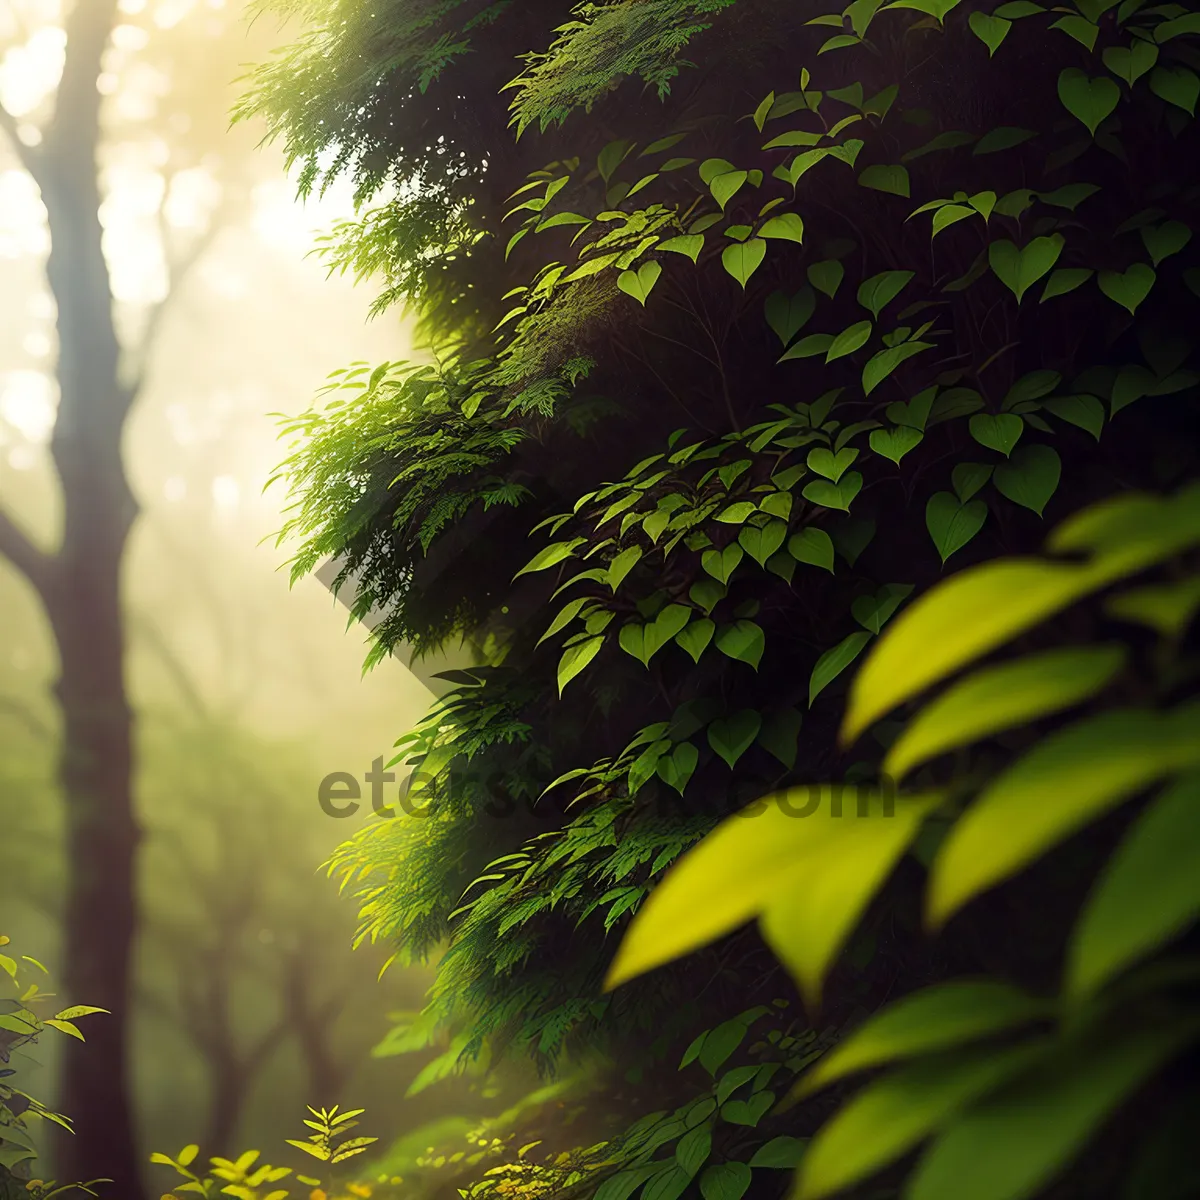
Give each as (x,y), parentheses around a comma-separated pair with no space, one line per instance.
(82,593)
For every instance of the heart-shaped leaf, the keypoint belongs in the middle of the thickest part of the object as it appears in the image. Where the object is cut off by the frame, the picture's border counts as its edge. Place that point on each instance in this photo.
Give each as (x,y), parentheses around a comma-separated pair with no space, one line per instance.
(849,340)
(826,276)
(873,612)
(834,495)
(743,641)
(968,478)
(787,315)
(720,564)
(1132,62)
(1030,477)
(1177,86)
(742,259)
(831,466)
(638,283)
(760,544)
(1088,100)
(695,638)
(951,524)
(732,736)
(1128,288)
(725,1181)
(893,179)
(991,31)
(780,734)
(895,443)
(1020,269)
(677,768)
(727,185)
(813,546)
(999,432)
(747,1112)
(880,290)
(1164,240)
(915,413)
(1084,411)
(788,226)
(833,662)
(688,243)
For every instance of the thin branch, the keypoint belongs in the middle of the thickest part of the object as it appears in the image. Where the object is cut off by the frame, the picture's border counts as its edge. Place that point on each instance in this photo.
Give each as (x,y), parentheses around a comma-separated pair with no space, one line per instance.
(16,546)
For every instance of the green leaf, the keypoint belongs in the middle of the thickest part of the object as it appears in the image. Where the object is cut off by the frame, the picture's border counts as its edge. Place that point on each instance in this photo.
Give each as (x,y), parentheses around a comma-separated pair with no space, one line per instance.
(882,364)
(845,859)
(1167,608)
(1148,893)
(726,185)
(848,341)
(833,662)
(873,612)
(550,556)
(826,276)
(760,544)
(694,1148)
(645,641)
(747,1112)
(952,524)
(1164,240)
(813,546)
(639,283)
(1086,412)
(1067,780)
(788,315)
(732,736)
(695,638)
(893,179)
(895,443)
(738,513)
(1088,100)
(1030,477)
(1177,86)
(575,658)
(1131,62)
(1080,28)
(808,347)
(787,226)
(781,1152)
(838,495)
(725,1181)
(667,1185)
(1173,28)
(706,592)
(622,565)
(961,619)
(1064,280)
(880,290)
(1013,1143)
(611,157)
(1020,269)
(688,243)
(934,1019)
(742,259)
(895,1114)
(999,432)
(999,698)
(1005,137)
(780,734)
(937,9)
(677,768)
(991,31)
(721,1042)
(968,478)
(831,466)
(743,641)
(721,564)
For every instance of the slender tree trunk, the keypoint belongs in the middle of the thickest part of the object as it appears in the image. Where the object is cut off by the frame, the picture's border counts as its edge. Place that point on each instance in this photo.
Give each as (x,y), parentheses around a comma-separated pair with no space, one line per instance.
(82,594)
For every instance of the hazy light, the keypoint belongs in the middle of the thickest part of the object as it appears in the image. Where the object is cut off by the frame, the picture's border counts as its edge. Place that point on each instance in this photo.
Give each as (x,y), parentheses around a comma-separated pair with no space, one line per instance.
(175,489)
(37,345)
(22,217)
(28,403)
(225,492)
(29,73)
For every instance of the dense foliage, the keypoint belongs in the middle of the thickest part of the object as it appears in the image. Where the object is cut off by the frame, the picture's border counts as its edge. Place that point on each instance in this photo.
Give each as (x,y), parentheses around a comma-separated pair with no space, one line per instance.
(750,322)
